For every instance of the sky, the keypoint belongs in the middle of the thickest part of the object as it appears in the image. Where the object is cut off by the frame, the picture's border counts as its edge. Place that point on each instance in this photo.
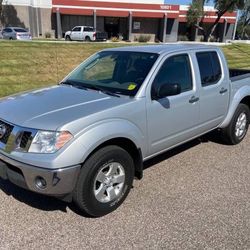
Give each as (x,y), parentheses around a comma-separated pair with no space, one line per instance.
(183,2)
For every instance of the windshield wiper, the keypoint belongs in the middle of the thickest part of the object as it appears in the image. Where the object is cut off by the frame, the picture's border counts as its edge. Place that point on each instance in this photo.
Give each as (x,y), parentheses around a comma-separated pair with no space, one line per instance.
(81,85)
(75,84)
(95,87)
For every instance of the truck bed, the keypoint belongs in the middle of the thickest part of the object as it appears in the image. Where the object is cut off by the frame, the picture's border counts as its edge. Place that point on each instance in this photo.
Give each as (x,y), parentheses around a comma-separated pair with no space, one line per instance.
(238,74)
(101,36)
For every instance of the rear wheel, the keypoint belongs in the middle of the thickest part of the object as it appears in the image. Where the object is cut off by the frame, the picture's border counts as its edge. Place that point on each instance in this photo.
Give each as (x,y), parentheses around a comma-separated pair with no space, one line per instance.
(87,39)
(104,182)
(235,132)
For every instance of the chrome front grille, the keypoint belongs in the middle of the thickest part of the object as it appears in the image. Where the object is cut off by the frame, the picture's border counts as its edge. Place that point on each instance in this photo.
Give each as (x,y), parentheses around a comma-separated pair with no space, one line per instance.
(16,138)
(7,133)
(26,136)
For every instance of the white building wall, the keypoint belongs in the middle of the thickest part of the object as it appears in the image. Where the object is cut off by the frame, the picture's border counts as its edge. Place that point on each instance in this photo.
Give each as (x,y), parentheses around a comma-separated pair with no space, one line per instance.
(32,3)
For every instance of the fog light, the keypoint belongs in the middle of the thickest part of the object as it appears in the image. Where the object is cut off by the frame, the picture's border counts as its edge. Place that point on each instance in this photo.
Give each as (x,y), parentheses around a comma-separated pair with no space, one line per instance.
(40,182)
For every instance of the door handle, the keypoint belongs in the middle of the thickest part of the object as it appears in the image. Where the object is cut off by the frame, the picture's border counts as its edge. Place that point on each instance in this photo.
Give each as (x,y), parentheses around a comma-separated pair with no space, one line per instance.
(194,99)
(223,90)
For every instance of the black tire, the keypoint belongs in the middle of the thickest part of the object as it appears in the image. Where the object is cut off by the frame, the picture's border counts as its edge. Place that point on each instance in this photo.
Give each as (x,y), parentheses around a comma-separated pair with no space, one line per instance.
(87,39)
(84,194)
(67,38)
(229,133)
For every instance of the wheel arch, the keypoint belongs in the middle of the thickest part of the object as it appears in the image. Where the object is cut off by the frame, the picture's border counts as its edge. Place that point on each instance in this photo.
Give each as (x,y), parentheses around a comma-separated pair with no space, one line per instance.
(246,101)
(242,96)
(130,147)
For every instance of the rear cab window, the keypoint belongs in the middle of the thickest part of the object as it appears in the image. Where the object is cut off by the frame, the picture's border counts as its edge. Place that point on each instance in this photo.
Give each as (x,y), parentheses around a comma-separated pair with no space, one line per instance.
(89,29)
(209,67)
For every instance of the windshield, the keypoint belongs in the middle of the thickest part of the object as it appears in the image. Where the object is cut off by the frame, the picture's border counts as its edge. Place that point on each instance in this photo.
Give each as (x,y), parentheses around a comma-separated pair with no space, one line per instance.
(119,72)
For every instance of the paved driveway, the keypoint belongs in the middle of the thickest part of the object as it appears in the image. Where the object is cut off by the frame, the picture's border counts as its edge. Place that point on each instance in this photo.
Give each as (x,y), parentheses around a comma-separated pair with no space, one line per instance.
(193,197)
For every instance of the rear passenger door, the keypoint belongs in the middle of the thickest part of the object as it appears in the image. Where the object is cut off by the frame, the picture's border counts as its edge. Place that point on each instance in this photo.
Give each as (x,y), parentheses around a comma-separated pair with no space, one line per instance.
(214,89)
(88,33)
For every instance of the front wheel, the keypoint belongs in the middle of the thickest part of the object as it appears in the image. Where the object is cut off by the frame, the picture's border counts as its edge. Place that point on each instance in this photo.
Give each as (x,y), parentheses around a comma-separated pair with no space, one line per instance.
(104,181)
(235,132)
(67,38)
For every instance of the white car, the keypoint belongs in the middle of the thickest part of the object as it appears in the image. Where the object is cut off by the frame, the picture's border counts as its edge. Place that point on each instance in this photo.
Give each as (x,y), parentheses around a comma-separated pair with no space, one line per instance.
(85,33)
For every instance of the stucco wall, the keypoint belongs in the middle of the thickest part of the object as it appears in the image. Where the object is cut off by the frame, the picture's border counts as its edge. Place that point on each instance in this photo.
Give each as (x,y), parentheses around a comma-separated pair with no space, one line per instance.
(36,20)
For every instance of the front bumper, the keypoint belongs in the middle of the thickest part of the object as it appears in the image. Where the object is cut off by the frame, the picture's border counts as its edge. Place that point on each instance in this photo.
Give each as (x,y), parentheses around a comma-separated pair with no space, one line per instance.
(59,182)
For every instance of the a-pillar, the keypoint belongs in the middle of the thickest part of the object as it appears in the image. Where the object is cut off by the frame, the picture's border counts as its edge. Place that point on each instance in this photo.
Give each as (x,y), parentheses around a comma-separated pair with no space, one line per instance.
(58,23)
(130,26)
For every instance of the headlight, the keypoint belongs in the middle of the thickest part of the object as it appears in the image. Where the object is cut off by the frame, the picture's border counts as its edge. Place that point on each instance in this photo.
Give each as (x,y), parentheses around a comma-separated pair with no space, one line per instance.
(49,142)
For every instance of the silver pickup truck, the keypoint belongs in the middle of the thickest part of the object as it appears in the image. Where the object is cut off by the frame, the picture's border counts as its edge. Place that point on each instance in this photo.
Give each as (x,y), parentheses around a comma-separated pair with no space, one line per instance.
(85,140)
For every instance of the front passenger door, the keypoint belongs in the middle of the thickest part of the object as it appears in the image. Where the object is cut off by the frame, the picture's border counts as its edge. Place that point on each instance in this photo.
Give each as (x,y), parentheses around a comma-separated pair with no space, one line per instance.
(75,33)
(172,119)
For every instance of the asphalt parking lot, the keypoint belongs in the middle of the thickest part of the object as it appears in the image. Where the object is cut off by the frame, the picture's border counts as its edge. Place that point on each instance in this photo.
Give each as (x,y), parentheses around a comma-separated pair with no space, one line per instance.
(193,197)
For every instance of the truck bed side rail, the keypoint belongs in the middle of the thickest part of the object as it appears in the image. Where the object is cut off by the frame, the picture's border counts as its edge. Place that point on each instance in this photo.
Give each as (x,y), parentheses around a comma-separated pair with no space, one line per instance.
(238,74)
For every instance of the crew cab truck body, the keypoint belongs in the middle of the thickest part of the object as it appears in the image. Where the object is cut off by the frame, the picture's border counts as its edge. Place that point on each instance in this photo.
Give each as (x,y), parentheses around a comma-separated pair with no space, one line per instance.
(85,33)
(87,138)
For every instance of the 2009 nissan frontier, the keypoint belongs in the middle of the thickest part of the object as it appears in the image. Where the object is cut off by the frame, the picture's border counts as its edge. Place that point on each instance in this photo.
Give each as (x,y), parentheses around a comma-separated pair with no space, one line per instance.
(87,138)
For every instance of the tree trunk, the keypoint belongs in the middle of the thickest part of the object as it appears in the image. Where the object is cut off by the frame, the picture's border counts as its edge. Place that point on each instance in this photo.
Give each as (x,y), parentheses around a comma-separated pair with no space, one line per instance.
(206,36)
(212,27)
(1,7)
(247,21)
(1,11)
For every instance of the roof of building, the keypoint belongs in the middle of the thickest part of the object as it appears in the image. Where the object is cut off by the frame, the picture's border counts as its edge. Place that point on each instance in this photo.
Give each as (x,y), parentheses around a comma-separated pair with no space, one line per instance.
(162,48)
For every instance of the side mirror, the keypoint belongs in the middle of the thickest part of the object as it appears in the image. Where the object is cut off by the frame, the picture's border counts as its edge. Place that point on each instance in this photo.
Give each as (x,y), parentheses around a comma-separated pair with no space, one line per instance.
(167,90)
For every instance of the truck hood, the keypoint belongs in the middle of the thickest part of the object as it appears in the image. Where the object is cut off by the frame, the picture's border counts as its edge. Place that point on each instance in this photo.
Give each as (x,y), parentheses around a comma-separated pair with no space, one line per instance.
(50,108)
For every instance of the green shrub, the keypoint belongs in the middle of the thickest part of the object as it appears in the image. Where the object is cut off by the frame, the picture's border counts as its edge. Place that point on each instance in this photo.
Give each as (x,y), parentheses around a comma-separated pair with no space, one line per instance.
(114,39)
(183,38)
(212,39)
(47,35)
(144,38)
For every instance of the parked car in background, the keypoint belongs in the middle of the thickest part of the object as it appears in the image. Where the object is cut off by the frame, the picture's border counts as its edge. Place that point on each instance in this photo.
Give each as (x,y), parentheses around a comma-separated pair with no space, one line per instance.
(85,33)
(16,33)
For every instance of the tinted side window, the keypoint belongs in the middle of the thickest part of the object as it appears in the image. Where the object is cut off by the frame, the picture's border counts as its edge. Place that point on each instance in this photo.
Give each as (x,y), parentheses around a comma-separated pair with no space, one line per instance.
(209,66)
(7,30)
(88,29)
(20,30)
(175,69)
(216,66)
(77,29)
